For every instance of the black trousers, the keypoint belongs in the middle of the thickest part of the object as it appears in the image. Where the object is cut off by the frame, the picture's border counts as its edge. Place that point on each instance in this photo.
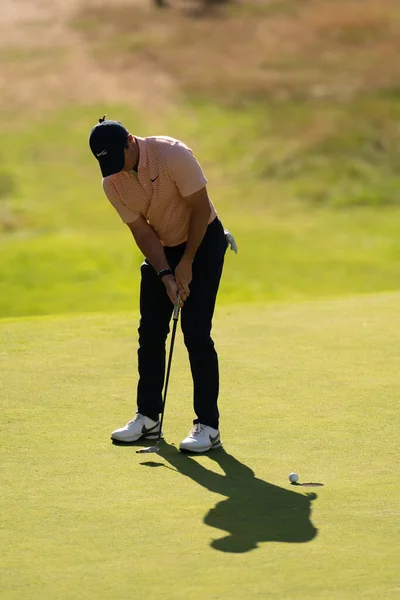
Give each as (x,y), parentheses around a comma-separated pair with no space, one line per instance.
(196,322)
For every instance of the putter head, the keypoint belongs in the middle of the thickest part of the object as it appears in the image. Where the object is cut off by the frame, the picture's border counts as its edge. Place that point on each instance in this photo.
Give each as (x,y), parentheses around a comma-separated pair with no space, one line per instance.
(148,450)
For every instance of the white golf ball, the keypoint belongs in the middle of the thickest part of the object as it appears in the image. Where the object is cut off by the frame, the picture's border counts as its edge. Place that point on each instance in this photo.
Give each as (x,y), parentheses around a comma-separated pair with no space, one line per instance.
(293,477)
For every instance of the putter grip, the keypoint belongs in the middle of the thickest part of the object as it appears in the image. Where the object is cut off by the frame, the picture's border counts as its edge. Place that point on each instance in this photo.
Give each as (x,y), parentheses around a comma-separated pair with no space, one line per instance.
(176,309)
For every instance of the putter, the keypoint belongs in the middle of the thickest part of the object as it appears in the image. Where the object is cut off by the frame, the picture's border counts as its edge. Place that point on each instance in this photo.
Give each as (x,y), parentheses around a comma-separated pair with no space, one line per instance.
(175,317)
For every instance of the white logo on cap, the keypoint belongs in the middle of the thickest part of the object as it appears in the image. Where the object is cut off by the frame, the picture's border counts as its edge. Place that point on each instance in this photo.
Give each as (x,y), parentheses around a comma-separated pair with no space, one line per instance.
(101,153)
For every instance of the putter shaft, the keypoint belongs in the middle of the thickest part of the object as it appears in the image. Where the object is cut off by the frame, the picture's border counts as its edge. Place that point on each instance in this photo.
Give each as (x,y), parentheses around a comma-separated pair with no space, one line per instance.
(175,317)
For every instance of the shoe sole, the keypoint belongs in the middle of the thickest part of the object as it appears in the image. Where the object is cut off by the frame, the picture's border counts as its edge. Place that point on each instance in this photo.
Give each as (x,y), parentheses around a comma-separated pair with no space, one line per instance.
(152,436)
(193,451)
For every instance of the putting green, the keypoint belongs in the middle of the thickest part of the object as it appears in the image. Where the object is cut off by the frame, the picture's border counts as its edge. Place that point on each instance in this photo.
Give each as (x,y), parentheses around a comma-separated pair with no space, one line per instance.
(311,388)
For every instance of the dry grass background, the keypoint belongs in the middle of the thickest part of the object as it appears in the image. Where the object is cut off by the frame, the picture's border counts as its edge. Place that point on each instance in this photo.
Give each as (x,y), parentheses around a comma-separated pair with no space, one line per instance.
(47,64)
(82,51)
(300,48)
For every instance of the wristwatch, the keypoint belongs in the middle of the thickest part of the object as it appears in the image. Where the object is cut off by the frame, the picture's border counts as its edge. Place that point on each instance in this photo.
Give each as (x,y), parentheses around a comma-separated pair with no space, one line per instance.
(164,272)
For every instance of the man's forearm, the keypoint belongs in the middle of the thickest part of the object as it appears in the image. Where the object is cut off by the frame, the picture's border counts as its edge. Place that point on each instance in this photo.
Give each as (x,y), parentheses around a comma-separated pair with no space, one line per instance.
(199,217)
(151,247)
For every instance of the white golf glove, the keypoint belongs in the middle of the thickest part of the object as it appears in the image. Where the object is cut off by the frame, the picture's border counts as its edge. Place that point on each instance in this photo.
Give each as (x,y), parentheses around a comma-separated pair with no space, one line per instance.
(231,241)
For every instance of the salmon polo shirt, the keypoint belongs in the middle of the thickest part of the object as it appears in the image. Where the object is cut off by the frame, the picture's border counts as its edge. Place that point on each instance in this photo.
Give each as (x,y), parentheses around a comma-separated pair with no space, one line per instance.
(167,172)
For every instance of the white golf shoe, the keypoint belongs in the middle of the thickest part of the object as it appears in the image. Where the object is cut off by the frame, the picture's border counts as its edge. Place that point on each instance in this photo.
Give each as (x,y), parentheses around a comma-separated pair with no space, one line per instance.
(138,427)
(200,439)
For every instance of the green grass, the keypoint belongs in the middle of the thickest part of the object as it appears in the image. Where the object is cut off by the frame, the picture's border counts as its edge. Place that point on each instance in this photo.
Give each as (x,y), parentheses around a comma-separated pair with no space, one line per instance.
(310,191)
(311,387)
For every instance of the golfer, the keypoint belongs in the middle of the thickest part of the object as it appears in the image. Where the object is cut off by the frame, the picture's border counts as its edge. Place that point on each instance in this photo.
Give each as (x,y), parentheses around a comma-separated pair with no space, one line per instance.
(159,190)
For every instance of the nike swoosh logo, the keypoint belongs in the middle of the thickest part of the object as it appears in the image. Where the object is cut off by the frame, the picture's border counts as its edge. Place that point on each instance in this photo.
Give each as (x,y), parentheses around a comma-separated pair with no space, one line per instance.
(153,180)
(214,440)
(145,430)
(102,153)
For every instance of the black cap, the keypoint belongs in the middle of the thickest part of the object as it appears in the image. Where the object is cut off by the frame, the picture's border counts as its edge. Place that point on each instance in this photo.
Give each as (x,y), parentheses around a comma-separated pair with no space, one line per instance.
(107,141)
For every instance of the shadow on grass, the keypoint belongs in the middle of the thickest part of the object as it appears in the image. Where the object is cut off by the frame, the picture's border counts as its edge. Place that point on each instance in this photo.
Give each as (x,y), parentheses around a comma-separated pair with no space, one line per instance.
(254,510)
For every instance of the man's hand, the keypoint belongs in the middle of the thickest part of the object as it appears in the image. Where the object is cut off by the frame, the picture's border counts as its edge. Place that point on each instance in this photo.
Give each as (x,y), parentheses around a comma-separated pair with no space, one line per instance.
(183,276)
(171,287)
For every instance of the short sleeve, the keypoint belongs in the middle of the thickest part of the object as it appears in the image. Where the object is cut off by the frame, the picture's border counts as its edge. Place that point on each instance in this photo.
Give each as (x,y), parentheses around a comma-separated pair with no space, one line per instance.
(185,170)
(126,214)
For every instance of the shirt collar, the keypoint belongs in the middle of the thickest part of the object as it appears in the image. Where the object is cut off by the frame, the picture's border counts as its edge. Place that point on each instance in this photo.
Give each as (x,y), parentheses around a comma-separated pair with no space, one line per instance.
(143,152)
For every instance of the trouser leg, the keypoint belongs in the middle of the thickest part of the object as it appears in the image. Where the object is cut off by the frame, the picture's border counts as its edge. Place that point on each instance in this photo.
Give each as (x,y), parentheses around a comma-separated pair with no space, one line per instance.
(155,314)
(196,321)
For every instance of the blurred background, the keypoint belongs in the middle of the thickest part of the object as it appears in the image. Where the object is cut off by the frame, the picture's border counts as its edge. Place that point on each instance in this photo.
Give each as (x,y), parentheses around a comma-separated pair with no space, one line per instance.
(291,106)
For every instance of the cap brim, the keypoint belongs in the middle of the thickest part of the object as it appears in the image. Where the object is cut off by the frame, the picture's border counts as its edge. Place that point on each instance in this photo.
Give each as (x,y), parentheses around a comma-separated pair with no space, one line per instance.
(110,165)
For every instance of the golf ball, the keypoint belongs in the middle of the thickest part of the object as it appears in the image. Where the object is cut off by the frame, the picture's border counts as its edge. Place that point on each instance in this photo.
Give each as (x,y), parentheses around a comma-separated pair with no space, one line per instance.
(293,477)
